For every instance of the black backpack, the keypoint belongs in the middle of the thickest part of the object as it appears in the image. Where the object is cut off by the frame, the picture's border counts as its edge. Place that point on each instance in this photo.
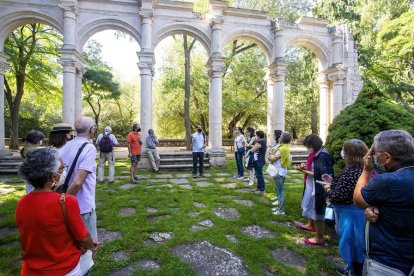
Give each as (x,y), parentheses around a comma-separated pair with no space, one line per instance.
(105,144)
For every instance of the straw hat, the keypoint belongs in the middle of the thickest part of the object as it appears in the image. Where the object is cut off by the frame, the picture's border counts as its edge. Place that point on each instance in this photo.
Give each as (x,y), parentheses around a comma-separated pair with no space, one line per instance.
(62,127)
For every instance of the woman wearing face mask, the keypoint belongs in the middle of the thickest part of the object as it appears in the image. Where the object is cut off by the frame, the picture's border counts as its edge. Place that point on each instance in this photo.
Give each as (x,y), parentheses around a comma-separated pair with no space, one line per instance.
(60,134)
(239,151)
(319,162)
(349,220)
(34,139)
(51,229)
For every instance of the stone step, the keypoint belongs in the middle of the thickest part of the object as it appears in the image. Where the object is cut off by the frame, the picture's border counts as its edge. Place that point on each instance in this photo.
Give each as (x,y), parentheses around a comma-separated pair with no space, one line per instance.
(178,155)
(10,164)
(8,170)
(180,166)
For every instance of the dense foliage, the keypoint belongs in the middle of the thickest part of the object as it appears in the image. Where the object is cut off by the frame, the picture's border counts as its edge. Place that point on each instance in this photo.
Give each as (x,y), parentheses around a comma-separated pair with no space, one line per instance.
(371,113)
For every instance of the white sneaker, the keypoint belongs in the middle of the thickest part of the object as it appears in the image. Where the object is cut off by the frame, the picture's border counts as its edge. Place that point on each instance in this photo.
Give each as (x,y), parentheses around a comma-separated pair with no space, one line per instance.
(240,178)
(250,183)
(275,203)
(273,198)
(275,209)
(279,213)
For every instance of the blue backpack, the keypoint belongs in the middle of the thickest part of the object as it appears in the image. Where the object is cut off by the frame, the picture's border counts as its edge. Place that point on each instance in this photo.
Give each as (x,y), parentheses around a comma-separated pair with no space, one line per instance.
(105,144)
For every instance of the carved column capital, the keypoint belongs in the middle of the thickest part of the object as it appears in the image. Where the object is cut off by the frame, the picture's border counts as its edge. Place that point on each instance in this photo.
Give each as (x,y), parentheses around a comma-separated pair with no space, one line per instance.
(215,67)
(4,66)
(70,8)
(278,70)
(147,16)
(146,63)
(217,22)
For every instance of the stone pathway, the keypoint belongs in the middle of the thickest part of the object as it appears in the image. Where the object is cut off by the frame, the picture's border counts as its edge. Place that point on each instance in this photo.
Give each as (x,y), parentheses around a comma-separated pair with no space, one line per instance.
(289,257)
(105,236)
(207,259)
(227,213)
(257,232)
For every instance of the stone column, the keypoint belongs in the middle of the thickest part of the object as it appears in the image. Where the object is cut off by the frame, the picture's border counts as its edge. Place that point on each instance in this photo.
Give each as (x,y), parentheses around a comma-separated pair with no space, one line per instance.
(78,93)
(146,30)
(337,45)
(70,19)
(279,70)
(3,67)
(337,94)
(69,91)
(271,105)
(324,109)
(216,150)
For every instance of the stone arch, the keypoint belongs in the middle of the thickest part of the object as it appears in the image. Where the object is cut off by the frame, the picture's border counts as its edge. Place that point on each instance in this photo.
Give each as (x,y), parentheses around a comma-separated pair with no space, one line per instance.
(16,19)
(87,31)
(316,46)
(264,44)
(193,31)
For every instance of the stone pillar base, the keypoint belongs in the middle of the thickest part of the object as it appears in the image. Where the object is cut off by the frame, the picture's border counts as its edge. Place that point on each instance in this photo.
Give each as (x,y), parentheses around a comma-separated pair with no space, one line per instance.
(144,163)
(5,153)
(217,157)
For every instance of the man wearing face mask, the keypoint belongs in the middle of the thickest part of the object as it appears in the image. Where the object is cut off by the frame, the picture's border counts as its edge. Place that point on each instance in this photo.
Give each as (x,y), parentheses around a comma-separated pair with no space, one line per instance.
(82,182)
(198,142)
(134,150)
(391,194)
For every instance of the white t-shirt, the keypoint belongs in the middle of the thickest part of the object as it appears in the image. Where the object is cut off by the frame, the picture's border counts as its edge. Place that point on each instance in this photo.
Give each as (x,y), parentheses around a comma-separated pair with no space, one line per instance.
(238,141)
(198,142)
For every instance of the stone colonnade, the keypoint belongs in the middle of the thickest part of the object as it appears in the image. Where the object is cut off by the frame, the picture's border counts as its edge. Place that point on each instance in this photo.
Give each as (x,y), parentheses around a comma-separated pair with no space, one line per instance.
(149,21)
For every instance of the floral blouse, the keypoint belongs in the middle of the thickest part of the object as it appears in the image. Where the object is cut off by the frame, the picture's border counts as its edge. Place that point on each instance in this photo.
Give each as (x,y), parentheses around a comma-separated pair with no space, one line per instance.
(343,185)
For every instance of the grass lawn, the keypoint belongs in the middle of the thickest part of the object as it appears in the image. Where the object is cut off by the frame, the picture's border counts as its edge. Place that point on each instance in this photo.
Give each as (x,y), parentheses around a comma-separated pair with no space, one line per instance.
(164,199)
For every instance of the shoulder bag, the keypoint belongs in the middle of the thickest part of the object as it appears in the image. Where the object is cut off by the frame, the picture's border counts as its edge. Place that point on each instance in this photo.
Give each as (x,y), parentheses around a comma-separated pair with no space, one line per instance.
(63,188)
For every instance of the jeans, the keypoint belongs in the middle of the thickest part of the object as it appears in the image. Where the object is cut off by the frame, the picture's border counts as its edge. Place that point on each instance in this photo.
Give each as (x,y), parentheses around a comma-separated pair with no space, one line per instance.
(198,156)
(239,162)
(280,191)
(258,167)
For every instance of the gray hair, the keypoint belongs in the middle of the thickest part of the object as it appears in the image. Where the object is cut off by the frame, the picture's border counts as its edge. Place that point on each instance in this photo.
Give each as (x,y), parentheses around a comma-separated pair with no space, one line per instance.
(83,125)
(39,165)
(285,138)
(398,143)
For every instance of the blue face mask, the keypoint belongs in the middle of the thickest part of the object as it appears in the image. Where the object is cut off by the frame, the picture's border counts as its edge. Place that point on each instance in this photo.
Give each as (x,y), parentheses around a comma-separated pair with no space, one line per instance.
(377,166)
(342,154)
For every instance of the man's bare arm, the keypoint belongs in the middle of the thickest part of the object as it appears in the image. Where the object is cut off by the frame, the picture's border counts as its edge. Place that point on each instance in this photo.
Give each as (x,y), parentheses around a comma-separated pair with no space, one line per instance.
(77,183)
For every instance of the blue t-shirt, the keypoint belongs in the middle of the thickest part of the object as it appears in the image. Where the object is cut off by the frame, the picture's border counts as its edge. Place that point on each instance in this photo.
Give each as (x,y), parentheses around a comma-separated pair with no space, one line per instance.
(391,238)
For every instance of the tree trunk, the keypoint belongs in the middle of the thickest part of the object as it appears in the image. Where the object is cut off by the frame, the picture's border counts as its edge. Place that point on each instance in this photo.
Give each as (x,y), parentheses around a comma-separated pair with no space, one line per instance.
(187,118)
(294,134)
(14,112)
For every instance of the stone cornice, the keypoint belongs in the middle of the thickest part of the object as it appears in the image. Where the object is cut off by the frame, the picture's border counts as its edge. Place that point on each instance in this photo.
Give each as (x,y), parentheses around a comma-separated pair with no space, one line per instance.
(306,20)
(246,13)
(70,6)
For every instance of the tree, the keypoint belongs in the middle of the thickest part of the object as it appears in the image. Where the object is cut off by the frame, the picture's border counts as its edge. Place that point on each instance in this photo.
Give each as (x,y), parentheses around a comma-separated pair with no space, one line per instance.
(394,66)
(98,81)
(33,53)
(371,113)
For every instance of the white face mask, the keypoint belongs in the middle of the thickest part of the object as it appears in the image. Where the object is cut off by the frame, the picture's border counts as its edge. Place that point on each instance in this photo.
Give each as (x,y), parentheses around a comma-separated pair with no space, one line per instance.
(62,178)
(40,142)
(309,150)
(343,154)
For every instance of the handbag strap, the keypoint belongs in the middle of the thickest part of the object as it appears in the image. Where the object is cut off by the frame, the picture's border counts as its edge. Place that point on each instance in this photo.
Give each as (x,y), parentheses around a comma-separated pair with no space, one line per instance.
(62,200)
(72,167)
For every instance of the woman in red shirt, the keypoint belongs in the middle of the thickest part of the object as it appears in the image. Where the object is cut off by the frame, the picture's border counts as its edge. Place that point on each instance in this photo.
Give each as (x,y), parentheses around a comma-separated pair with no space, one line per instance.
(50,245)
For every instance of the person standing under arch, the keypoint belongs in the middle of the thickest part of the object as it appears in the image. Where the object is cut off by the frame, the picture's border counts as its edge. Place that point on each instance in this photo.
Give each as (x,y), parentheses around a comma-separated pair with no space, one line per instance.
(134,150)
(106,142)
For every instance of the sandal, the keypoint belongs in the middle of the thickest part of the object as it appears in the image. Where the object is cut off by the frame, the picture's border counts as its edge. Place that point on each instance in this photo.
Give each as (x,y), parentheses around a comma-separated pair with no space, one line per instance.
(308,241)
(302,227)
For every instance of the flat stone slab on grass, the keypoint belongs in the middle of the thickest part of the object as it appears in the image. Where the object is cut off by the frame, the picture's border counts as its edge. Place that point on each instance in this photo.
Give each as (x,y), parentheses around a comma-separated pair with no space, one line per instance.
(288,257)
(10,244)
(228,196)
(232,238)
(196,228)
(122,177)
(127,186)
(248,203)
(144,176)
(223,174)
(183,175)
(120,255)
(199,205)
(193,214)
(206,223)
(164,176)
(179,181)
(158,218)
(227,213)
(161,237)
(157,180)
(105,236)
(229,185)
(187,187)
(126,212)
(148,265)
(207,259)
(257,232)
(151,210)
(244,190)
(125,271)
(8,231)
(204,184)
(4,191)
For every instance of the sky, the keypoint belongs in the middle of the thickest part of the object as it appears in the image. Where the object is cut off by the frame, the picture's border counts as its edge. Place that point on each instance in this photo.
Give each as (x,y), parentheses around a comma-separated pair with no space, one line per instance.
(121,54)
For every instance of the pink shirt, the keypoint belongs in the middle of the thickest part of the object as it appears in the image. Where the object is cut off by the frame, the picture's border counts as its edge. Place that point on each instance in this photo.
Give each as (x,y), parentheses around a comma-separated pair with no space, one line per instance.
(86,162)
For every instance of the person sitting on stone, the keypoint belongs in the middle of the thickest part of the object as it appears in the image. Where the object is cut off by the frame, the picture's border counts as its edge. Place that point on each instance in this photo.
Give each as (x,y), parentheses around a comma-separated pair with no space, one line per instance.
(106,142)
(152,143)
